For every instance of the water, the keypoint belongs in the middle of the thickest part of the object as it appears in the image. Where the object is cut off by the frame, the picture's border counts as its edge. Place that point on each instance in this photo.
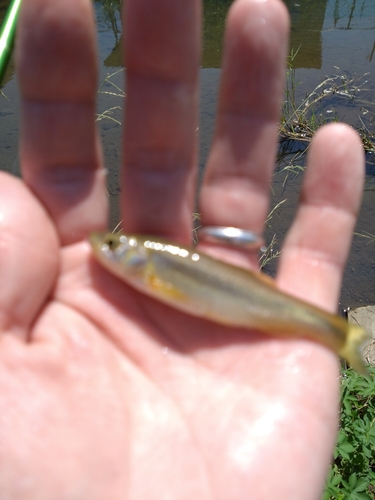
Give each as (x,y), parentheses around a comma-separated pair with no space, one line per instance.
(337,37)
(329,37)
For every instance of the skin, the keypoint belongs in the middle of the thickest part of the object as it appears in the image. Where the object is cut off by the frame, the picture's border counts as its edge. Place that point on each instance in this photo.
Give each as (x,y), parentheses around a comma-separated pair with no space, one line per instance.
(105,393)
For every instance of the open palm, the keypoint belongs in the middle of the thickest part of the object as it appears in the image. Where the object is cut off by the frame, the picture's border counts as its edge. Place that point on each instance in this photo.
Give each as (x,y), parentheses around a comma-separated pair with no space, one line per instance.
(105,393)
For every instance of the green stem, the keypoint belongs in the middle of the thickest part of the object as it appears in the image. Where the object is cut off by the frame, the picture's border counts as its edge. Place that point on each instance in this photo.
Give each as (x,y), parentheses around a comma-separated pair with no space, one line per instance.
(7,34)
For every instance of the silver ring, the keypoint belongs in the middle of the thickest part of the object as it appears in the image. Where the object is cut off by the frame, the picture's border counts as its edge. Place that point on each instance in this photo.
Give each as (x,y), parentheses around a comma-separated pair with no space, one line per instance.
(231,235)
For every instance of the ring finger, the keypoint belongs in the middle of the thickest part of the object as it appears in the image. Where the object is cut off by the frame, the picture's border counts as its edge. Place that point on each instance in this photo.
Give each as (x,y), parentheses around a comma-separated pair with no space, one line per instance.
(235,191)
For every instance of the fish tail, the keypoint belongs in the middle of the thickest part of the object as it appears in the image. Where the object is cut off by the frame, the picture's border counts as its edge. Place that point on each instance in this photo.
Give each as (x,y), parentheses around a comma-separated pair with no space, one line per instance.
(356,336)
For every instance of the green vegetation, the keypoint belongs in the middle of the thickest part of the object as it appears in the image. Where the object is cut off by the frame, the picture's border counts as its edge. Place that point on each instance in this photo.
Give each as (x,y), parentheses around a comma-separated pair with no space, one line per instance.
(352,474)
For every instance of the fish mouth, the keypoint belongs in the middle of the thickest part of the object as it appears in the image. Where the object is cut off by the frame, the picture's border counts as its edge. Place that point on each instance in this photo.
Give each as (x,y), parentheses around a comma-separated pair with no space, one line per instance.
(96,238)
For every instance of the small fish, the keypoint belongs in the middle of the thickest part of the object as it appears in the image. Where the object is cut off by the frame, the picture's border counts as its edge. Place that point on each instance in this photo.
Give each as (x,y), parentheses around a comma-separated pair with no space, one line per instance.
(202,286)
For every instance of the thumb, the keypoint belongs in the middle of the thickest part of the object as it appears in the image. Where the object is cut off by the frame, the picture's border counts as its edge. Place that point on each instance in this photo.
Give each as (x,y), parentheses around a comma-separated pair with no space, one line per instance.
(28,256)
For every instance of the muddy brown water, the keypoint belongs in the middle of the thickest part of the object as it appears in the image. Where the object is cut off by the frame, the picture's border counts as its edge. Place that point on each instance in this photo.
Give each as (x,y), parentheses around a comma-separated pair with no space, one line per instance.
(331,38)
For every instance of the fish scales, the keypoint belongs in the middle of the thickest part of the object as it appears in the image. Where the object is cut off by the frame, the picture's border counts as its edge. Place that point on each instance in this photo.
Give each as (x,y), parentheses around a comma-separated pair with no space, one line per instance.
(230,296)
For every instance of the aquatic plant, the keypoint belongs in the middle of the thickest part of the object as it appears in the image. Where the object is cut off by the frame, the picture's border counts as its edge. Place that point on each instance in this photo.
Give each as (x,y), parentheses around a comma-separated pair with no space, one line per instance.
(300,120)
(367,235)
(109,87)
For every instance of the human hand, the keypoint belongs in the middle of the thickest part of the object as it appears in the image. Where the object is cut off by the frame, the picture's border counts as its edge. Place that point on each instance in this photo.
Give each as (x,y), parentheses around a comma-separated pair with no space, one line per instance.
(105,393)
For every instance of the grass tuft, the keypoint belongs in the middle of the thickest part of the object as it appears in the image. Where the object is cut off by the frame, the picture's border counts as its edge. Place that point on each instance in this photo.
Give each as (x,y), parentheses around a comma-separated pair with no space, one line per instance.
(300,119)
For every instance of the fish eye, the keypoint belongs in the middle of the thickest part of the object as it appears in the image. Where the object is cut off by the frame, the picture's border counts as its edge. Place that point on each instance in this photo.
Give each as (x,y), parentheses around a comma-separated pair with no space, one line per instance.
(111,243)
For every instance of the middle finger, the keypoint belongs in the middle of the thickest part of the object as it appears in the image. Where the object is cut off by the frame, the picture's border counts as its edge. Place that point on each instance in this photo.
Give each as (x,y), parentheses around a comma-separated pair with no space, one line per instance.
(163,49)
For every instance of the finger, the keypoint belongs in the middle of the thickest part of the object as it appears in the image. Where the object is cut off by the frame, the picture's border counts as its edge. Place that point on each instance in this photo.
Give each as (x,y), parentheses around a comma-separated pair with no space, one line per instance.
(318,243)
(235,191)
(28,256)
(162,59)
(60,151)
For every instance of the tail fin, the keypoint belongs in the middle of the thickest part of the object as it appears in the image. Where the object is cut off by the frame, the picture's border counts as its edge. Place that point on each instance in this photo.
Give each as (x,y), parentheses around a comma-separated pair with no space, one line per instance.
(356,337)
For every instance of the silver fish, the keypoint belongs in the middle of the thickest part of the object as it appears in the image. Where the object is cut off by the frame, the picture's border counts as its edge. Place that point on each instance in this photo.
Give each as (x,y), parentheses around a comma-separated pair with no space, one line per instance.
(205,287)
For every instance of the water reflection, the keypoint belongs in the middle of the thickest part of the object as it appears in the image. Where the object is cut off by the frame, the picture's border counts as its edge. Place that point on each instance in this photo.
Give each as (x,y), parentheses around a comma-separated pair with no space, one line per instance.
(108,16)
(111,15)
(353,14)
(311,21)
(214,15)
(305,37)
